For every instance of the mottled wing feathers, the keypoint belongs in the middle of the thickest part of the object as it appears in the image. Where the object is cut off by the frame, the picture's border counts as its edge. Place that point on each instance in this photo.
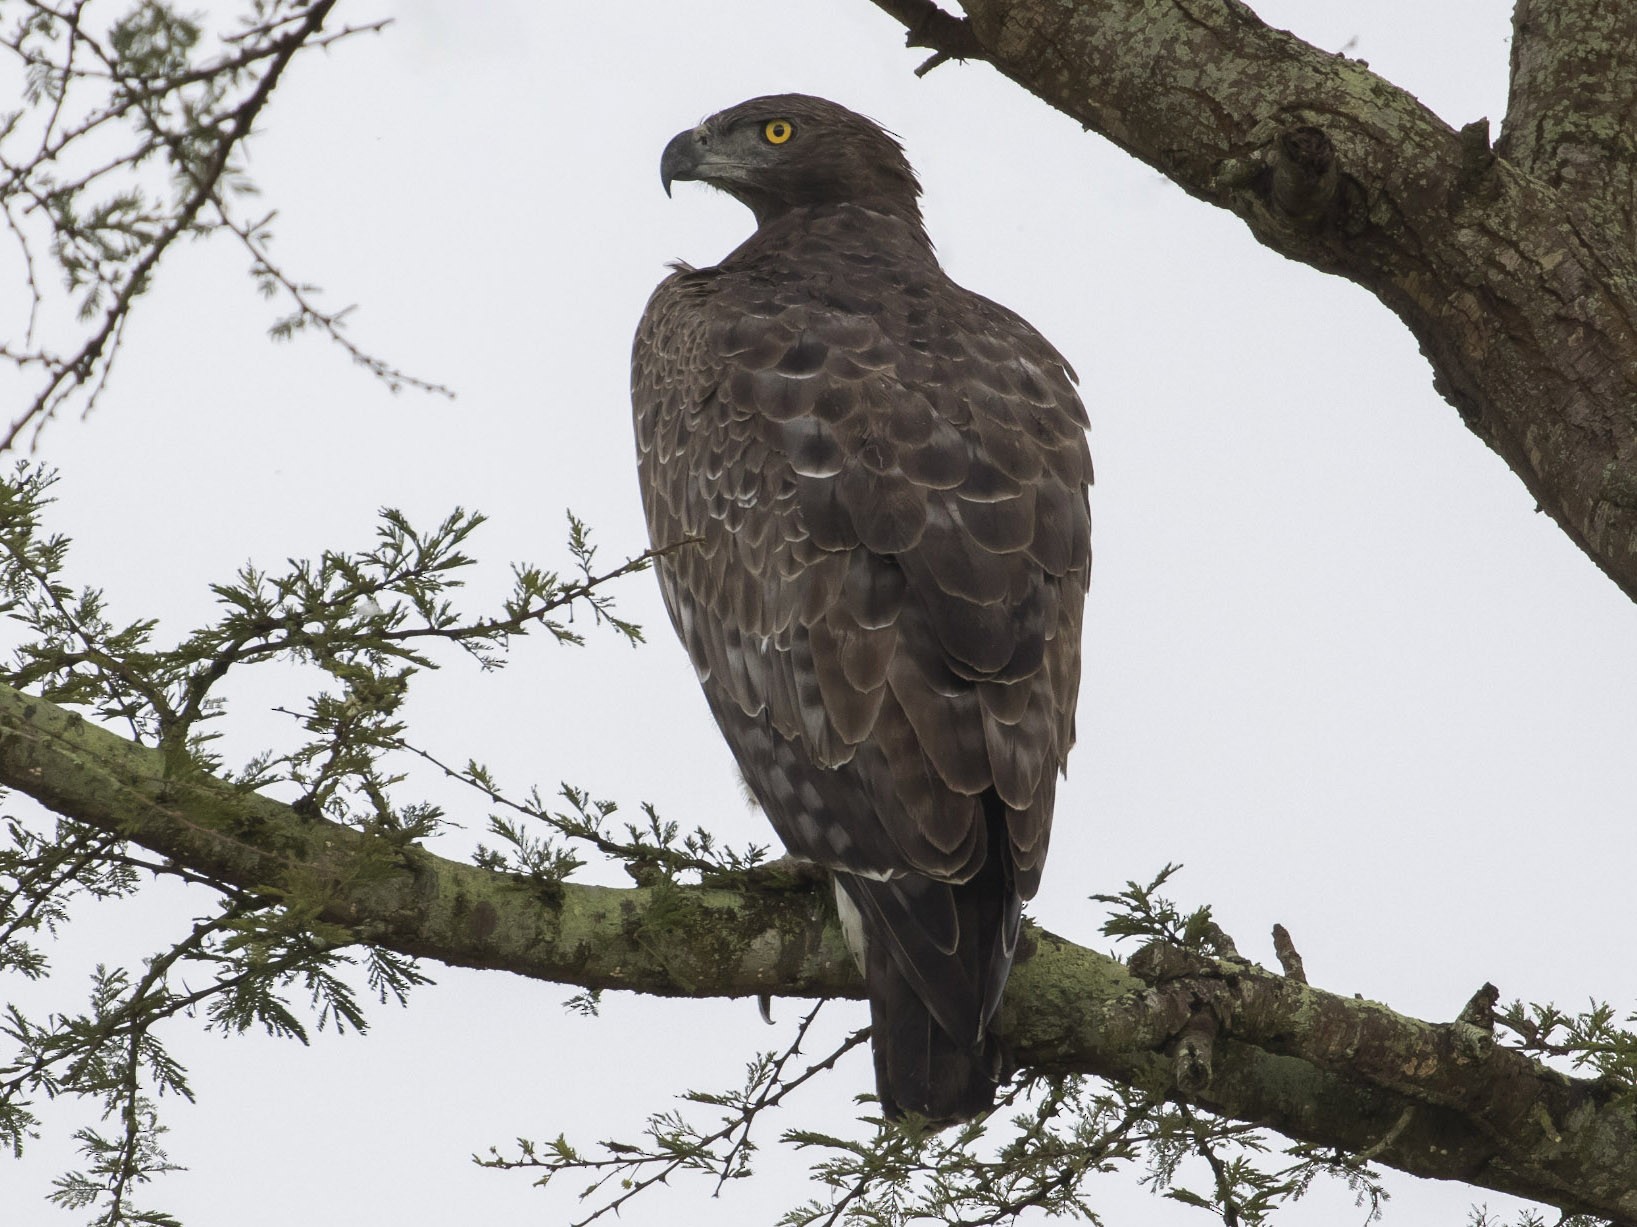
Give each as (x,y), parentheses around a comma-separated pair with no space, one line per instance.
(880,478)
(885,483)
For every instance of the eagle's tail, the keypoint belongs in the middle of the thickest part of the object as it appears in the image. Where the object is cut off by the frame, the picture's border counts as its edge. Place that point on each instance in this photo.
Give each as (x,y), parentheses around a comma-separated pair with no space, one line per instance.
(935,957)
(920,1067)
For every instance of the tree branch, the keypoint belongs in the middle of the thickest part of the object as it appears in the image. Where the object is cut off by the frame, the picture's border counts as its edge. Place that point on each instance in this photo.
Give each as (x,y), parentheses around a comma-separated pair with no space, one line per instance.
(1527,313)
(1438,1100)
(104,343)
(407,899)
(1571,110)
(927,25)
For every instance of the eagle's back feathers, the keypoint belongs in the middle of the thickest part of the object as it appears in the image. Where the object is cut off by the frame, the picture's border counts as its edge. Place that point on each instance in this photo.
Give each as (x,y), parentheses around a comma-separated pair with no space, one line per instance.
(884,476)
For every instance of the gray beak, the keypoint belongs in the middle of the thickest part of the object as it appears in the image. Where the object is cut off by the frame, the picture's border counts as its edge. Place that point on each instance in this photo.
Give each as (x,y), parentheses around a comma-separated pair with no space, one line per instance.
(683,156)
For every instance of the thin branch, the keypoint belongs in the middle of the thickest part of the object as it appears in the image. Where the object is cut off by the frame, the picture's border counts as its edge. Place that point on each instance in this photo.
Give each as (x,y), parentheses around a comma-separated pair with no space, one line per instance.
(256,642)
(626,853)
(77,371)
(330,323)
(744,1121)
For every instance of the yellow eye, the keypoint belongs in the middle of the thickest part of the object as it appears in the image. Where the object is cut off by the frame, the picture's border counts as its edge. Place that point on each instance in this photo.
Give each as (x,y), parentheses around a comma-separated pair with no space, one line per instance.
(778,131)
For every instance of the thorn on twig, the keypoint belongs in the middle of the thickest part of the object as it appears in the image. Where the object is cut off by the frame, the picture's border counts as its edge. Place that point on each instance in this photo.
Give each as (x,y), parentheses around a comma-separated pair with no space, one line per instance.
(1289,959)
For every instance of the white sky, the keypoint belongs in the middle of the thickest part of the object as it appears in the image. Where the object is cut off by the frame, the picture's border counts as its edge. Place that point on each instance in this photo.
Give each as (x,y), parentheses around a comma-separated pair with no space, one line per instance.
(1335,662)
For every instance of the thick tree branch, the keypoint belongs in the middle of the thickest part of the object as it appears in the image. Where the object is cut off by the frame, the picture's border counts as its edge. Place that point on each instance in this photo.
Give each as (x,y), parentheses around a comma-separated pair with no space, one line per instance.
(405,898)
(1443,1101)
(1523,297)
(1571,113)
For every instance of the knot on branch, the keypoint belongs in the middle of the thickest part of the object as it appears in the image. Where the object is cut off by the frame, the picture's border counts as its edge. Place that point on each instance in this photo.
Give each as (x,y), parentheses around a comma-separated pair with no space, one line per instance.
(1159,962)
(1480,1011)
(1289,958)
(1298,178)
(1474,1028)
(1191,1058)
(1306,185)
(1477,156)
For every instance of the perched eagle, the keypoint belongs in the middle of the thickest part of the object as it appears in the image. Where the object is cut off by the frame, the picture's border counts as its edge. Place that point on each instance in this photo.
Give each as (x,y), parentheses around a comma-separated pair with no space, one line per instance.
(882,477)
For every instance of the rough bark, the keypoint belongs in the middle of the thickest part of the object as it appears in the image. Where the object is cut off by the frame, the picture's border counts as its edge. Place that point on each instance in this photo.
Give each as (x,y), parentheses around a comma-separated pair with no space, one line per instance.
(1515,266)
(1439,1100)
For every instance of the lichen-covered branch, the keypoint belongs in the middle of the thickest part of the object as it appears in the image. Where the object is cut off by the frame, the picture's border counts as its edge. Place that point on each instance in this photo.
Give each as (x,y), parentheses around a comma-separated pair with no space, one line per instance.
(1440,1100)
(1515,268)
(1571,113)
(400,896)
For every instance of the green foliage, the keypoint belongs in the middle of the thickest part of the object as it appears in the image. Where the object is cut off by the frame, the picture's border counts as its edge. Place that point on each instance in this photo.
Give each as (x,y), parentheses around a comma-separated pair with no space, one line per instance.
(77,657)
(1242,1187)
(1041,1148)
(1060,1132)
(131,136)
(1063,1132)
(119,1162)
(673,1143)
(1138,911)
(652,849)
(42,874)
(1480,1217)
(151,42)
(1588,1040)
(360,626)
(369,620)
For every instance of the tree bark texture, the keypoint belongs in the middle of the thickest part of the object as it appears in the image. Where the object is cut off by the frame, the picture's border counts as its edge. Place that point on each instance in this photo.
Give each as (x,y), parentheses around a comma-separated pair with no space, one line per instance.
(1515,266)
(1438,1100)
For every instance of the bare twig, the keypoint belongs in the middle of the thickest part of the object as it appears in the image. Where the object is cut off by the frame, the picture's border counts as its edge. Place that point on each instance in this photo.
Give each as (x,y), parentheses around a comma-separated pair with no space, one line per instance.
(79,370)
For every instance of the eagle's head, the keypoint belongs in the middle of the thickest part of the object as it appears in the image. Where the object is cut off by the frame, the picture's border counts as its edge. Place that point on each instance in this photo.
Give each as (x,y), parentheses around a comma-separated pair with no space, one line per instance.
(787,151)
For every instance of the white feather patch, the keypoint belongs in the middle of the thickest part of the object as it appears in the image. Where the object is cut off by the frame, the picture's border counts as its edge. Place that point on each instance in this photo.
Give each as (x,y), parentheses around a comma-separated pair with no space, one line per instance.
(852,926)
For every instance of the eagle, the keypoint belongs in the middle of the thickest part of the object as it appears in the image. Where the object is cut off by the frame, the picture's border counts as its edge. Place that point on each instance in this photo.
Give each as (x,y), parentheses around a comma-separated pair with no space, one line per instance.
(870,489)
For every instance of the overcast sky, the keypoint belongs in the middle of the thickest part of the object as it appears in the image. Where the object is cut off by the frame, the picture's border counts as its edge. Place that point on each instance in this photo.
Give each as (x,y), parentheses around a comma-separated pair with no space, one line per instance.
(1335,661)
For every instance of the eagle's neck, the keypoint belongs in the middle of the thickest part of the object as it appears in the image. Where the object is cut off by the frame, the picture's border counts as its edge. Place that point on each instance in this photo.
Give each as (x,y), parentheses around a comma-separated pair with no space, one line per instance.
(866,228)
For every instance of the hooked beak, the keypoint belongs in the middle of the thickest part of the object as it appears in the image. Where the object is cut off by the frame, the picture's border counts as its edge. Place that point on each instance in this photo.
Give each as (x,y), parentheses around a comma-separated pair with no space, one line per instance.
(683,156)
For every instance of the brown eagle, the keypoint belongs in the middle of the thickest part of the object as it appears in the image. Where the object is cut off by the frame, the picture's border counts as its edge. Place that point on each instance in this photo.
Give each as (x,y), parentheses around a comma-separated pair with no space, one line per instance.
(883,477)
